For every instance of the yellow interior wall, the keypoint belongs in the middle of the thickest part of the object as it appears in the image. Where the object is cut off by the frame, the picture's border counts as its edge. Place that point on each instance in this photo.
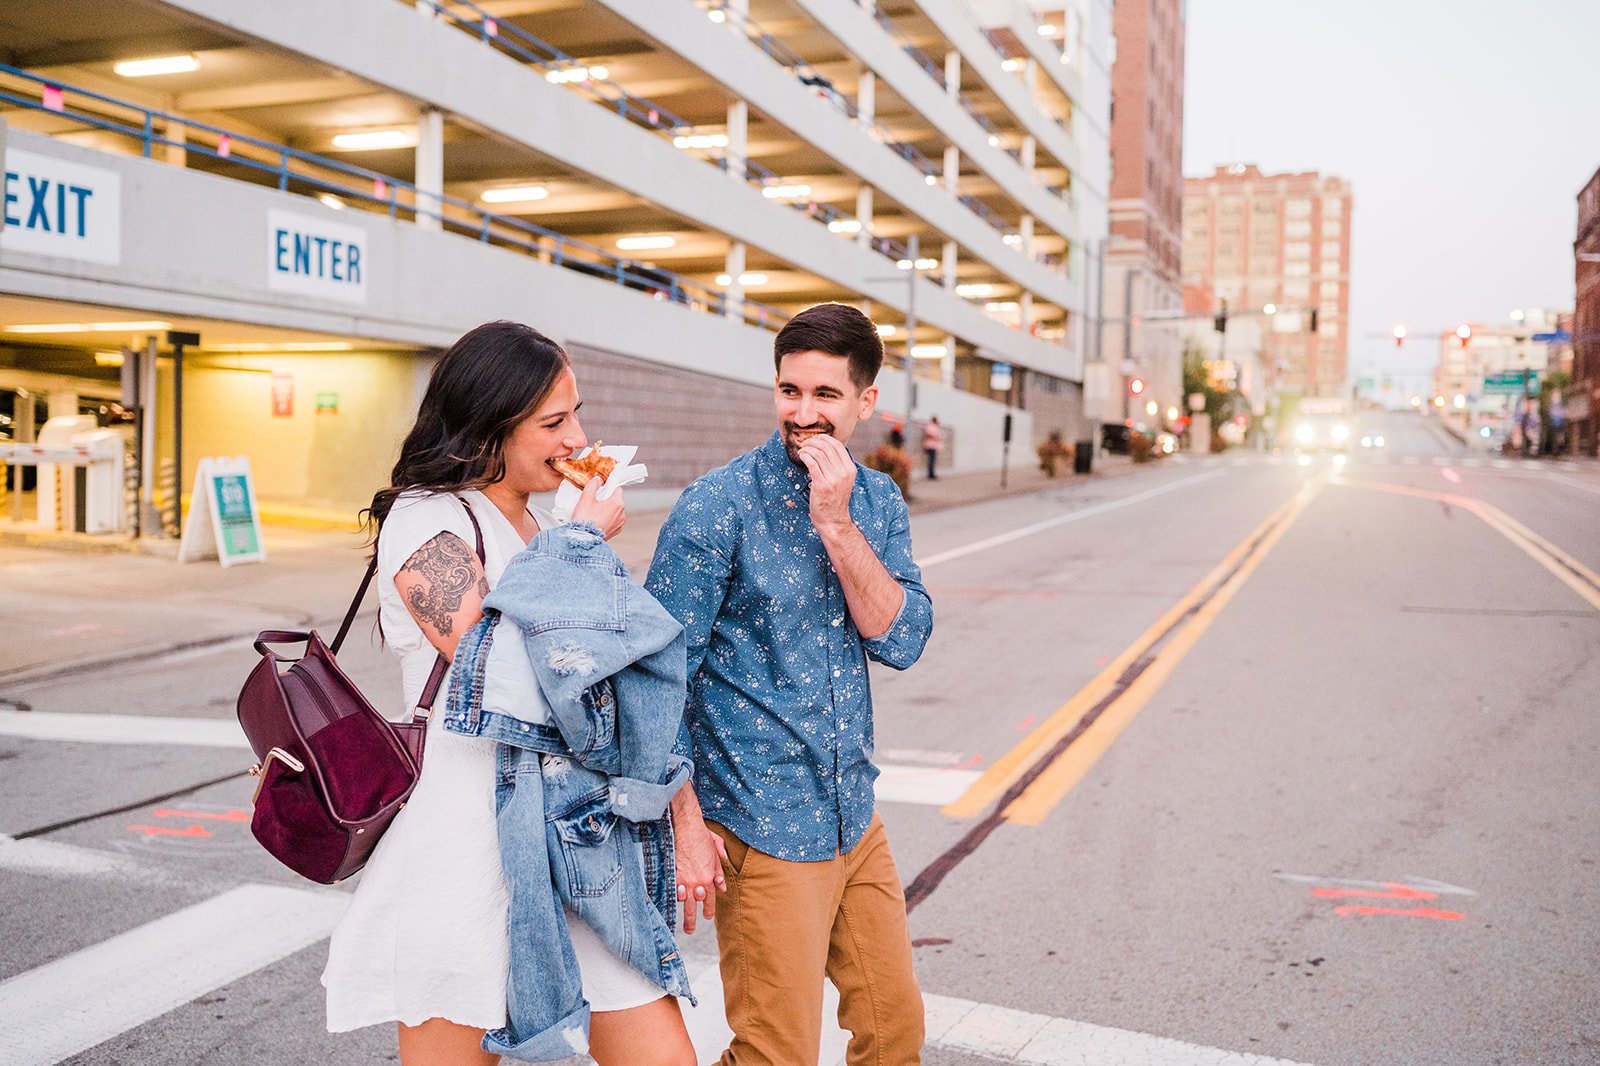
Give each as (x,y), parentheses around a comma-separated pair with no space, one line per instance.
(332,462)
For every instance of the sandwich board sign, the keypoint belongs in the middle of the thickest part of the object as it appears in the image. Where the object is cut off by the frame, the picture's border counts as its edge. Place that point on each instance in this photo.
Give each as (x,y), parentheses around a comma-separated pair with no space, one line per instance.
(223,521)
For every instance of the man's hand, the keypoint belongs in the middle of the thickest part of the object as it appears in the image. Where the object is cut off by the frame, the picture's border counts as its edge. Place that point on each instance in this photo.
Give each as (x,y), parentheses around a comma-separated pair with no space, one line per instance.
(700,854)
(833,476)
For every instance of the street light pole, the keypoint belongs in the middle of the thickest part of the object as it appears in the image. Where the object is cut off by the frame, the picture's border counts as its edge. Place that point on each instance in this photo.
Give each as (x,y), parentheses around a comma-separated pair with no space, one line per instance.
(910,365)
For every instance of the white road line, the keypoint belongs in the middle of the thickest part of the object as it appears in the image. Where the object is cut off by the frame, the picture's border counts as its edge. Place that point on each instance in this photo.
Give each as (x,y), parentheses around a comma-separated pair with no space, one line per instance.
(76,1002)
(928,785)
(1061,520)
(122,729)
(1410,460)
(50,858)
(992,1031)
(1569,482)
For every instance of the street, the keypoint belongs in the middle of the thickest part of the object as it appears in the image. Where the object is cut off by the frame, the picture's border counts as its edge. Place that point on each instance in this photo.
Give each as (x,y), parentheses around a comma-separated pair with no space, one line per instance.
(1227,759)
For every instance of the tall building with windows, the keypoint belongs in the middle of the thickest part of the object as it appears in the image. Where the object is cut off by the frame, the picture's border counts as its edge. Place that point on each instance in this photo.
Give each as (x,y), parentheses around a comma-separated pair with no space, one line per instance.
(1142,255)
(657,184)
(1583,406)
(1277,247)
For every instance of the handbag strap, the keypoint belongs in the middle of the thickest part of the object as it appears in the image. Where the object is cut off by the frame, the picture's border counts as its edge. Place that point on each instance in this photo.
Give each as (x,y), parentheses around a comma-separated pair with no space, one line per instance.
(430,691)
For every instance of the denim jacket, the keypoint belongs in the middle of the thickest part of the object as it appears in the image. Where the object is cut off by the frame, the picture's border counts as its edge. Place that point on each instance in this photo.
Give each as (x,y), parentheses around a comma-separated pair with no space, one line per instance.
(582,802)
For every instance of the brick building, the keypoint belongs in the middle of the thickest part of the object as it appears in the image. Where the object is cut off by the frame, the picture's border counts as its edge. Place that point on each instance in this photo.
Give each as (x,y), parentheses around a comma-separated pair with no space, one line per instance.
(1143,255)
(1253,240)
(1583,406)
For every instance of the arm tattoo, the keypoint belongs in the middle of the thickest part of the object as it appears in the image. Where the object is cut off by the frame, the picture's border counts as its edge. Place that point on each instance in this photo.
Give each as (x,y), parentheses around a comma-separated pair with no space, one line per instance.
(448,569)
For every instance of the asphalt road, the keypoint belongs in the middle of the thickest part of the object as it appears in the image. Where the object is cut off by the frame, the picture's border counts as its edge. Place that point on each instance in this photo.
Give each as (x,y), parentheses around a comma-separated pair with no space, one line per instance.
(1233,756)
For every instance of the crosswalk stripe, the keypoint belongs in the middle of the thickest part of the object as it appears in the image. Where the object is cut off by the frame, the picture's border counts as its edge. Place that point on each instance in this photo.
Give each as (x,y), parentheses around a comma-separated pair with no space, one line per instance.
(929,786)
(66,1006)
(983,1028)
(83,999)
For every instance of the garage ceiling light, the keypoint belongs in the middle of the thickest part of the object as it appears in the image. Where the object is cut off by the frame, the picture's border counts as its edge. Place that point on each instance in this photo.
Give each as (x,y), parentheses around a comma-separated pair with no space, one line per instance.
(145,68)
(284,346)
(87,327)
(373,139)
(979,288)
(786,192)
(928,351)
(514,194)
(745,280)
(646,242)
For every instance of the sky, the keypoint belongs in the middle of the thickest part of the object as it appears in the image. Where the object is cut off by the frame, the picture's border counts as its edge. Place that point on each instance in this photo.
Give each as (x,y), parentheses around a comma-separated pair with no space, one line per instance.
(1466,127)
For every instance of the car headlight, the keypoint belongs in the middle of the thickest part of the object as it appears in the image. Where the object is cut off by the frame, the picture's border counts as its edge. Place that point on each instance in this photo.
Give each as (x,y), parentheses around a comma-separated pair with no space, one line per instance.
(1377,442)
(1366,442)
(1303,433)
(1341,432)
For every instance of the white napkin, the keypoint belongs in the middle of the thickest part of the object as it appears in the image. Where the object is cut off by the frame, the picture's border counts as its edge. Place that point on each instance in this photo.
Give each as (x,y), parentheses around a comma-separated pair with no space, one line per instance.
(627,472)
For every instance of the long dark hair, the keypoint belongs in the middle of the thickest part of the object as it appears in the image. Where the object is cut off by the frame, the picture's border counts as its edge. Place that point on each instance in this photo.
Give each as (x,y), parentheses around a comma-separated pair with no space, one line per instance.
(491,379)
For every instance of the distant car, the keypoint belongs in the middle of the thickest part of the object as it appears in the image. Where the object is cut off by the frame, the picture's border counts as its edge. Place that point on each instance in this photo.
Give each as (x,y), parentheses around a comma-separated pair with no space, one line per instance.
(1166,443)
(1321,433)
(1372,440)
(1117,437)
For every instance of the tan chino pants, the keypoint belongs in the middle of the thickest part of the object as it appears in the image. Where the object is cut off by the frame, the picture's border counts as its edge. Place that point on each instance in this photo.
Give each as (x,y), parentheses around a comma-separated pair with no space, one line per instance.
(782,926)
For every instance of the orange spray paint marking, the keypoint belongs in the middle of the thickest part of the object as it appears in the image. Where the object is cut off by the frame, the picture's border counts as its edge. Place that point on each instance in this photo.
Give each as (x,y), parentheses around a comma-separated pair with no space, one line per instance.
(1396,891)
(1026,722)
(224,816)
(1419,912)
(166,831)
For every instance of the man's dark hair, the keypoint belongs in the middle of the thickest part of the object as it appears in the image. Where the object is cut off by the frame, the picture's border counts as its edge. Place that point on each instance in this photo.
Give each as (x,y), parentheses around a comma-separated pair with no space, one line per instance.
(836,329)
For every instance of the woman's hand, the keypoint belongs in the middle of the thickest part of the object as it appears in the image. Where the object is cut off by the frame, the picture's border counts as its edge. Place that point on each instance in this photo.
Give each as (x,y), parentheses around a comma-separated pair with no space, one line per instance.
(608,515)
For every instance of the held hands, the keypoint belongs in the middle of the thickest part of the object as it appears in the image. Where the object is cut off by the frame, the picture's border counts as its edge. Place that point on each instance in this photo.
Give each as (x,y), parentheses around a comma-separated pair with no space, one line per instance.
(833,476)
(608,515)
(700,854)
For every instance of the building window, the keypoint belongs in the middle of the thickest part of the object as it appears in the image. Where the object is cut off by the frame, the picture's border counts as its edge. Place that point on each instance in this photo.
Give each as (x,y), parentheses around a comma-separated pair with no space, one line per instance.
(1296,292)
(1328,329)
(1330,249)
(1297,250)
(1298,209)
(1331,268)
(1297,270)
(1297,229)
(1330,290)
(1331,227)
(1332,207)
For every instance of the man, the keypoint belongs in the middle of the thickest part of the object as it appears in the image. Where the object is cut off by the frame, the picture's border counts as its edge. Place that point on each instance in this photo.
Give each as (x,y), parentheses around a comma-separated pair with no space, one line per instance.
(789,567)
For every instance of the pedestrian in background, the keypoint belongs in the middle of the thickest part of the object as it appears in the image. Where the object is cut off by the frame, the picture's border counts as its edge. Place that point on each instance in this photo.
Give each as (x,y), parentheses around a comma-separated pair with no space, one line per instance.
(1051,450)
(789,568)
(890,458)
(932,441)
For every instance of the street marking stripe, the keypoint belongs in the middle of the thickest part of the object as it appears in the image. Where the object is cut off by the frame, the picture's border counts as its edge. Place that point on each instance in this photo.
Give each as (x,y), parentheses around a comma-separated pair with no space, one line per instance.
(76,1002)
(50,858)
(1011,766)
(1061,520)
(930,785)
(1042,796)
(986,1029)
(934,786)
(122,729)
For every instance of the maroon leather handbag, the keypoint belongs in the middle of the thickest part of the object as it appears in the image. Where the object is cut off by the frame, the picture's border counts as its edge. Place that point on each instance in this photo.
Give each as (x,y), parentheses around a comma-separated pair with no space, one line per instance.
(332,771)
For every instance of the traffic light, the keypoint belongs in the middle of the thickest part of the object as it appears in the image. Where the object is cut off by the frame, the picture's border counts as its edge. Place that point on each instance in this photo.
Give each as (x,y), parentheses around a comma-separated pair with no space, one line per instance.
(1136,386)
(1221,321)
(1399,333)
(1463,334)
(1313,320)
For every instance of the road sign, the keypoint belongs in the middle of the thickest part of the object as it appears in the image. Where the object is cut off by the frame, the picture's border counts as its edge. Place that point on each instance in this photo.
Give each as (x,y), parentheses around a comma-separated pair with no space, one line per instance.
(1560,336)
(1511,381)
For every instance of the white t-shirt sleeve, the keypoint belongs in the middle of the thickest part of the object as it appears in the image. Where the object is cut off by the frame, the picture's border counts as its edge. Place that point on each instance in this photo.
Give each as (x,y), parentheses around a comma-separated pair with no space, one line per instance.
(415,520)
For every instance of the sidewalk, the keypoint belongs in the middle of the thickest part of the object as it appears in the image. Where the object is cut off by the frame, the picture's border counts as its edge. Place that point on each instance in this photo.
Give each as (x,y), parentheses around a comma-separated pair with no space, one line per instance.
(69,609)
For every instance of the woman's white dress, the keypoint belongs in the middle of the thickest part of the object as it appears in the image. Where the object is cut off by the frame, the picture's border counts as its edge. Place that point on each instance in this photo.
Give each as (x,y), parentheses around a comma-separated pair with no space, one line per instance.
(425,934)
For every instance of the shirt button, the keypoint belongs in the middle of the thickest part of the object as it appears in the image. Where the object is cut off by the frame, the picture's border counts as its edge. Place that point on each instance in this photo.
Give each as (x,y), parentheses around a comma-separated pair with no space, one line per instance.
(838,621)
(843,724)
(836,673)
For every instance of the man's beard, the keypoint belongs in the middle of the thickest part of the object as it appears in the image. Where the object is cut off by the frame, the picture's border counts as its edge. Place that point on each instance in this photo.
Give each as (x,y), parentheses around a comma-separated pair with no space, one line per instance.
(791,441)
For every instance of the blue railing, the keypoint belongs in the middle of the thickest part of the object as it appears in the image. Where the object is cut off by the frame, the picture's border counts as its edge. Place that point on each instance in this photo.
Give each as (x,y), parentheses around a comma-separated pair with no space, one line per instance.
(296,171)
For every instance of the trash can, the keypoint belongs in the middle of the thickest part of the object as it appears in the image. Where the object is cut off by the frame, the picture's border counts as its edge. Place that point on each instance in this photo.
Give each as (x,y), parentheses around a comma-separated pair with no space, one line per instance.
(1082,456)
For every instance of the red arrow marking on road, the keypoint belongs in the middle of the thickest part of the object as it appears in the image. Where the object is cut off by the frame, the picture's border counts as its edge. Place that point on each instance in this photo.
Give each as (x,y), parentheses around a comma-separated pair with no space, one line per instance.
(1028,721)
(1396,891)
(164,831)
(225,816)
(1420,912)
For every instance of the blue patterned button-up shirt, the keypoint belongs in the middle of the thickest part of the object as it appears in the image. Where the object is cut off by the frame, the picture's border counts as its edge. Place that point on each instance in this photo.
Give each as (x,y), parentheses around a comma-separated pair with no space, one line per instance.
(780,709)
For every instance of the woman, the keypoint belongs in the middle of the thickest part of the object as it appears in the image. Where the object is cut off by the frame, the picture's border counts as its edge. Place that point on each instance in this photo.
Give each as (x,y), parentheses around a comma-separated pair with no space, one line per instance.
(424,942)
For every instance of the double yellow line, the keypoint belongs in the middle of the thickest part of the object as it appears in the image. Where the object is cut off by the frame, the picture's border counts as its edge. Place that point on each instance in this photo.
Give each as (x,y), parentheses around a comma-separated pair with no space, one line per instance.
(1032,778)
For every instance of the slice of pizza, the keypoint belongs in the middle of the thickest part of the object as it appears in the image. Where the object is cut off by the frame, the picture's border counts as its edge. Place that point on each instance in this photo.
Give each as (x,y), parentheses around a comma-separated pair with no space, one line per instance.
(581,471)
